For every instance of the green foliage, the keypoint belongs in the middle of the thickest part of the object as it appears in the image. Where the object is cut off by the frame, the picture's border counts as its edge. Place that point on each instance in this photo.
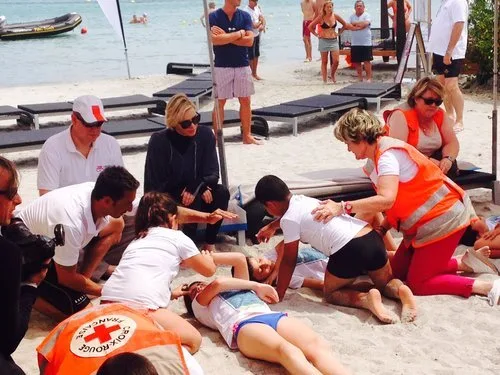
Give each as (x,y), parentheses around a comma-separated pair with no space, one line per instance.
(480,46)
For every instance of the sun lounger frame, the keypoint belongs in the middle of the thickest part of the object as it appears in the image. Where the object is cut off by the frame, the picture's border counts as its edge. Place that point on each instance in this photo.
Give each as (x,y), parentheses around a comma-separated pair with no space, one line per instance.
(372,92)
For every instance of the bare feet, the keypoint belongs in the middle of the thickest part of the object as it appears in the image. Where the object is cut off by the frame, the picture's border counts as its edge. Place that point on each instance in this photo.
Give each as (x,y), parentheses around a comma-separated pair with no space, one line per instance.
(458,127)
(255,76)
(378,309)
(250,140)
(409,310)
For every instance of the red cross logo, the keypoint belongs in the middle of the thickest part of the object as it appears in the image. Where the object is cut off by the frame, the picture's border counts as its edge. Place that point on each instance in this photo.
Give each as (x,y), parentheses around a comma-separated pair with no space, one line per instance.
(102,333)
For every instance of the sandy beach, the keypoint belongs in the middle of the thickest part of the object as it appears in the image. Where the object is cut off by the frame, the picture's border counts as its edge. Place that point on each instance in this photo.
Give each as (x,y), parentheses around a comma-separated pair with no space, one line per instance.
(452,335)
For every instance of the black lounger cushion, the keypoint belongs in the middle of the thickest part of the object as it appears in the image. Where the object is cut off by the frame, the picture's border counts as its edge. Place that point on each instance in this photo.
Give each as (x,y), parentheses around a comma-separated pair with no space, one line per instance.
(125,127)
(190,93)
(38,109)
(129,101)
(284,110)
(324,101)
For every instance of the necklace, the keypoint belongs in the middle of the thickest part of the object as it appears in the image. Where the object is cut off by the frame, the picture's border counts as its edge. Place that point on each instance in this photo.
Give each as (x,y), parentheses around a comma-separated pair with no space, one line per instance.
(427,130)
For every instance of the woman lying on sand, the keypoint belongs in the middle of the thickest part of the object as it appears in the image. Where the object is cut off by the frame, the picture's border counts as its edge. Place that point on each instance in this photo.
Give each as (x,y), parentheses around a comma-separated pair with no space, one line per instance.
(237,308)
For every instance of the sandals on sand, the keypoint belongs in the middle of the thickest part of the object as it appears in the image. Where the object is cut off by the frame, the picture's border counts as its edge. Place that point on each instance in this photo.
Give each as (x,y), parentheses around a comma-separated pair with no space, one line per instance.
(479,263)
(494,294)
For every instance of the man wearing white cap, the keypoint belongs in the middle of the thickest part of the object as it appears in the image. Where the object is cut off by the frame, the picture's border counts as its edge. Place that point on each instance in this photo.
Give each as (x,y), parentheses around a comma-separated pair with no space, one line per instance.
(79,154)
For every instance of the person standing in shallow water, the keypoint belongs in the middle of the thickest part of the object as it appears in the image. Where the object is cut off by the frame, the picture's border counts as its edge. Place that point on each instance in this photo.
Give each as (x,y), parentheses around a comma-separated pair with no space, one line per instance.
(307,7)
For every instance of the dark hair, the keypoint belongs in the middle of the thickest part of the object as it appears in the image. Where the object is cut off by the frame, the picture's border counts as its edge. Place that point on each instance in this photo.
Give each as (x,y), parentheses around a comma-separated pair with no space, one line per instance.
(188,301)
(271,188)
(250,270)
(469,237)
(153,211)
(10,167)
(114,181)
(127,364)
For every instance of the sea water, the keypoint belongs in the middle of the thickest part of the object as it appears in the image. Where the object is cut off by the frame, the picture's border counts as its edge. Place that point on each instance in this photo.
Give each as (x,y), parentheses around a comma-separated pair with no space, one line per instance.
(173,34)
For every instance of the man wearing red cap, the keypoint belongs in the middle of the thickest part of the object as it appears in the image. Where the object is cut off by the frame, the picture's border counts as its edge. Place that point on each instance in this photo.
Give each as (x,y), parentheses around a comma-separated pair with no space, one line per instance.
(79,154)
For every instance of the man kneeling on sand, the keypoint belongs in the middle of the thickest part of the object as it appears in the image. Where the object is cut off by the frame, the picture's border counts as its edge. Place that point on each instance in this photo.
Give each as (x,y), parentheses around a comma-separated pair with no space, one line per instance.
(352,246)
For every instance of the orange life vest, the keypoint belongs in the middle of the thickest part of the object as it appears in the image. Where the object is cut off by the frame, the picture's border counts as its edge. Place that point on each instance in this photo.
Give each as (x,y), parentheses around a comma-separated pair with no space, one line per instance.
(82,342)
(412,122)
(430,206)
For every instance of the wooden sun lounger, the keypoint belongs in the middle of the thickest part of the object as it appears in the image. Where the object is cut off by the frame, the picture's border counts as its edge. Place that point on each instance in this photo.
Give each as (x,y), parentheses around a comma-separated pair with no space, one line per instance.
(308,108)
(231,119)
(373,92)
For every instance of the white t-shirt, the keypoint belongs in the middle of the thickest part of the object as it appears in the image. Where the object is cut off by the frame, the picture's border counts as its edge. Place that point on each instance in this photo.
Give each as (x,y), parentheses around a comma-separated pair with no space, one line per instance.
(395,162)
(361,37)
(449,13)
(311,264)
(61,164)
(254,15)
(298,224)
(227,309)
(71,207)
(147,268)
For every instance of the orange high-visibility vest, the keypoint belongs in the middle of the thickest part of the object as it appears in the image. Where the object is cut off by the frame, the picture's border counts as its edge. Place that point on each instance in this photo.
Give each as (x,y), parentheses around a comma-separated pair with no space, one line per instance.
(82,342)
(412,122)
(429,207)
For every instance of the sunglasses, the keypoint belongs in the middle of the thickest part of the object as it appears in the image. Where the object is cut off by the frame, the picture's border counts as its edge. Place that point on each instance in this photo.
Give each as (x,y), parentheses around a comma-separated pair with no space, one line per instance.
(187,123)
(89,125)
(10,193)
(431,101)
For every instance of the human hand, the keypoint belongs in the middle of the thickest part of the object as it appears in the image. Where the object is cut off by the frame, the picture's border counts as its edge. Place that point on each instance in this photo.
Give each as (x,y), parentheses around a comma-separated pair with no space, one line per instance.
(216,30)
(187,198)
(272,277)
(445,165)
(435,161)
(207,196)
(180,291)
(266,293)
(265,233)
(492,234)
(219,214)
(447,59)
(381,230)
(326,211)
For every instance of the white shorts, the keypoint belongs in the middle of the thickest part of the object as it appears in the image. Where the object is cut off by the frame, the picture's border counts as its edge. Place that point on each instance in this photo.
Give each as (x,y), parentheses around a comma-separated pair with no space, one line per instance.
(233,82)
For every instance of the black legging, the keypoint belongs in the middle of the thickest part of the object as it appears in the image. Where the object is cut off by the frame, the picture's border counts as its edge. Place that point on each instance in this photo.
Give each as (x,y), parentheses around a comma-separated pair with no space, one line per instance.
(220,200)
(9,367)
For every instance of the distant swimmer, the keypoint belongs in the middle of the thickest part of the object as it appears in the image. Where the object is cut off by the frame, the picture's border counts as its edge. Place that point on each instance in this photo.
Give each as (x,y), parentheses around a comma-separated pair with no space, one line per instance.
(211,8)
(144,18)
(135,19)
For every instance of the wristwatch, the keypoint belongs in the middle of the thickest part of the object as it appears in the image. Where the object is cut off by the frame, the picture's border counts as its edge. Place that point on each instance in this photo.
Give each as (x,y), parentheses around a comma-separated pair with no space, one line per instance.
(450,158)
(346,207)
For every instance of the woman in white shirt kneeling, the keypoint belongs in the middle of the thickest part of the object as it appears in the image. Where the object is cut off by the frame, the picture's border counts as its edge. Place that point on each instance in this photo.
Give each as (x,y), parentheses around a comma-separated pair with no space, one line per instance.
(151,262)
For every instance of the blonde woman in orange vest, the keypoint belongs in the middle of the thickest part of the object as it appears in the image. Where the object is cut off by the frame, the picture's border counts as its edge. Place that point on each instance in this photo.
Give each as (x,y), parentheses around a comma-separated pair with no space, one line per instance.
(424,125)
(430,210)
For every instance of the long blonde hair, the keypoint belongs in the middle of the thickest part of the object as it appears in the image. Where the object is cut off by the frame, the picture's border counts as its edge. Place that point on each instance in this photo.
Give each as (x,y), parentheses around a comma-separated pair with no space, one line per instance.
(324,4)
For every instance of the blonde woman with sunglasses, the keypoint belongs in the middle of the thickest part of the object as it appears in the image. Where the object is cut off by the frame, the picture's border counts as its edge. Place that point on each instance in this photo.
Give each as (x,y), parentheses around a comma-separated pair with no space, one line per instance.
(182,160)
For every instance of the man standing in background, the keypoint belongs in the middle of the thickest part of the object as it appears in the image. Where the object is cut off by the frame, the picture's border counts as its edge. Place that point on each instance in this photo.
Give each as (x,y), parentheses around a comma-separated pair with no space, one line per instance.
(361,41)
(231,32)
(318,7)
(307,7)
(258,25)
(448,43)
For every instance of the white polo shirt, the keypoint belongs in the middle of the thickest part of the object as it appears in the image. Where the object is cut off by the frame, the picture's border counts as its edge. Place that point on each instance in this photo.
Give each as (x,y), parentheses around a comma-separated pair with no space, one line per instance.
(61,164)
(71,207)
(449,13)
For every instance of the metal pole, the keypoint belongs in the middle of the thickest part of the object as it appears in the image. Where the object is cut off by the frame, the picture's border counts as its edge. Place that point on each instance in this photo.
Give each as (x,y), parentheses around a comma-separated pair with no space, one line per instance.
(123,37)
(401,28)
(495,89)
(220,134)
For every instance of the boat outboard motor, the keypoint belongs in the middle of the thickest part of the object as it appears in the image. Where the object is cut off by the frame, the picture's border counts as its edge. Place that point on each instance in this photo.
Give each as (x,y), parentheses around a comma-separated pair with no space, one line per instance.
(3,22)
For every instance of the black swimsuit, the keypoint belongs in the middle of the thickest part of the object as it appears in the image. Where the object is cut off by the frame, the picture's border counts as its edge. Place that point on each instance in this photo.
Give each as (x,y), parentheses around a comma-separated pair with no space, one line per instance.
(324,25)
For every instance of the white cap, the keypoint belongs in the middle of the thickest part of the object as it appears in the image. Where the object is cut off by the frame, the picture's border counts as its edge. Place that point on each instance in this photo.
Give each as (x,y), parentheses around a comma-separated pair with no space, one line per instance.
(90,108)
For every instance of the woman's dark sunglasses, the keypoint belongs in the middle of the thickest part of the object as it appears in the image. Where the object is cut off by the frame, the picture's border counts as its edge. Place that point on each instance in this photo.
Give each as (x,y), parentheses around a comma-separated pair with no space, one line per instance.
(10,193)
(430,101)
(89,125)
(187,123)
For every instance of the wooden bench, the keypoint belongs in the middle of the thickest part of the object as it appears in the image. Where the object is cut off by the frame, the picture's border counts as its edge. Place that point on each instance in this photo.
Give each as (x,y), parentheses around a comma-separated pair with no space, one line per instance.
(376,52)
(383,42)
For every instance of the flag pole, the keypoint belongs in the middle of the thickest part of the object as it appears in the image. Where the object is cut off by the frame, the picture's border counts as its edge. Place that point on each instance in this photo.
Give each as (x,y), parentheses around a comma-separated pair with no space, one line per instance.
(123,37)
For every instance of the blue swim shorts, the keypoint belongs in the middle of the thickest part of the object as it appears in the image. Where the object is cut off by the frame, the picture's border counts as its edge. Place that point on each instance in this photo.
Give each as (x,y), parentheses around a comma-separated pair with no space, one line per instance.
(271,320)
